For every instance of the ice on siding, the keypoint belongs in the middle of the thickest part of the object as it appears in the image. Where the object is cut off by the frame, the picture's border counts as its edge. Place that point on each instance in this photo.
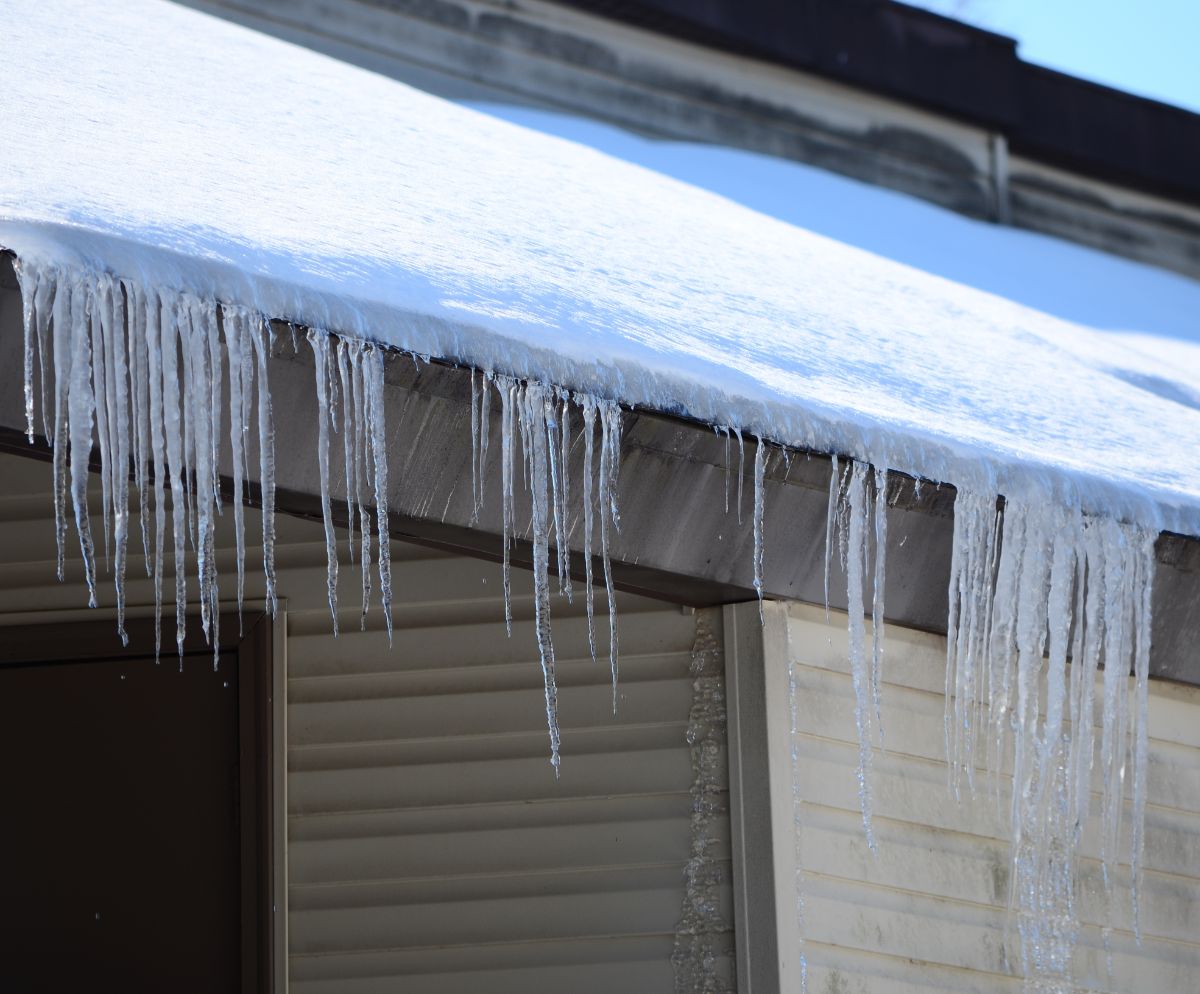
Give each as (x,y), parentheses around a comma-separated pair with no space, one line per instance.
(1033,586)
(156,233)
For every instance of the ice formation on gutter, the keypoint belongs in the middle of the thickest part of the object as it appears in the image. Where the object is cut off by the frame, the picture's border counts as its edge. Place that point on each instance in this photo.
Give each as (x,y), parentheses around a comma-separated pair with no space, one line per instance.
(154,379)
(158,378)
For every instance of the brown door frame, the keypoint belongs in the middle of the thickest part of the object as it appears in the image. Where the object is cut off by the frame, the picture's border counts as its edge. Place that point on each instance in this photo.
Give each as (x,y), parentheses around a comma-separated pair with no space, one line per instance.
(252,639)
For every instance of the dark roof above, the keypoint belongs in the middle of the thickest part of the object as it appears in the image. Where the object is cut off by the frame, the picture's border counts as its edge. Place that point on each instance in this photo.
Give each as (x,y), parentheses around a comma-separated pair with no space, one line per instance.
(942,64)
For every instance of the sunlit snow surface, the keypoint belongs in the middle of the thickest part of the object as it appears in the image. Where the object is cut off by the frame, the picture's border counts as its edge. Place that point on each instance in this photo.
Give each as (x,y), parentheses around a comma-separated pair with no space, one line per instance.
(189,153)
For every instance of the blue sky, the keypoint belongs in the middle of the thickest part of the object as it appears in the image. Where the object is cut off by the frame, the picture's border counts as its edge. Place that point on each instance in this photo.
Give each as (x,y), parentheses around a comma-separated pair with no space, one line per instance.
(1148,47)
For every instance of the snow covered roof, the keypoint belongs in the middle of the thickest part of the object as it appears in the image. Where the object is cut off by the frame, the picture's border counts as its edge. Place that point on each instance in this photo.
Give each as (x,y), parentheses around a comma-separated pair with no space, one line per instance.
(163,145)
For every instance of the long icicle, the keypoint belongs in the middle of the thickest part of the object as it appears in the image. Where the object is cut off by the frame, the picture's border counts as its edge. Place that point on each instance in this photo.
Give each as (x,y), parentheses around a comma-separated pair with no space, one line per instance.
(877,595)
(536,405)
(260,343)
(507,390)
(610,457)
(233,325)
(859,670)
(373,370)
(319,341)
(588,405)
(760,463)
(835,482)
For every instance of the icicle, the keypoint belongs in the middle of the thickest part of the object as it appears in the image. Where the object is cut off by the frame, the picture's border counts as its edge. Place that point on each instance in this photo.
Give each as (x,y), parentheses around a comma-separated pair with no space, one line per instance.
(588,405)
(610,457)
(212,329)
(475,404)
(101,308)
(1116,673)
(1001,635)
(117,389)
(172,391)
(319,341)
(485,410)
(535,405)
(65,300)
(741,470)
(507,390)
(361,475)
(234,324)
(260,343)
(179,325)
(835,482)
(728,465)
(81,404)
(760,461)
(972,564)
(877,598)
(553,453)
(859,670)
(139,397)
(30,283)
(45,299)
(373,384)
(151,323)
(349,435)
(564,497)
(1044,585)
(1143,593)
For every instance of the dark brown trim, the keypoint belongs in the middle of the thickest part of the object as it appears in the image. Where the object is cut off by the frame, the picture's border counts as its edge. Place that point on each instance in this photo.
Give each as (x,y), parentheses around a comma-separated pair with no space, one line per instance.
(52,642)
(256,745)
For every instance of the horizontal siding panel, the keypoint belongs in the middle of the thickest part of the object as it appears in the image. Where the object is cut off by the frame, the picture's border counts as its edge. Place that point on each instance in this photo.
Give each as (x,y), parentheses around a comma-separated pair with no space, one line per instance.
(523,674)
(480,645)
(963,869)
(483,711)
(913,727)
(502,780)
(530,849)
(834,969)
(856,915)
(915,791)
(602,966)
(469,816)
(615,737)
(512,918)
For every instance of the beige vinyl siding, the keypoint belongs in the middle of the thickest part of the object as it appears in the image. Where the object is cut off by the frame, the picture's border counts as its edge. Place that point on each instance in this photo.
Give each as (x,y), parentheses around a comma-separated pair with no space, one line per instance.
(926,911)
(430,848)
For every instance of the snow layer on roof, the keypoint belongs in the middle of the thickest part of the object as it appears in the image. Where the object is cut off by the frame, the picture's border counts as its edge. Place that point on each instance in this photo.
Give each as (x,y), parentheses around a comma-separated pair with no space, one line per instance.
(163,145)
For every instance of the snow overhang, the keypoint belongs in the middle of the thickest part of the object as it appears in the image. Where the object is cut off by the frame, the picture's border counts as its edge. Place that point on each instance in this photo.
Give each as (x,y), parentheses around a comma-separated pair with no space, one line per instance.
(677,541)
(342,200)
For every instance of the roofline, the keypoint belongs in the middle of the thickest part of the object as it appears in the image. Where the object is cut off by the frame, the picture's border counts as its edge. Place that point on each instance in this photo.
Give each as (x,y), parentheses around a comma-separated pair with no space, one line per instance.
(673,480)
(943,65)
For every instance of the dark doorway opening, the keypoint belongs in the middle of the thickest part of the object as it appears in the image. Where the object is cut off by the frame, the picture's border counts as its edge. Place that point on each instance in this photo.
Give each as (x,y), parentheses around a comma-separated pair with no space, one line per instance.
(136,811)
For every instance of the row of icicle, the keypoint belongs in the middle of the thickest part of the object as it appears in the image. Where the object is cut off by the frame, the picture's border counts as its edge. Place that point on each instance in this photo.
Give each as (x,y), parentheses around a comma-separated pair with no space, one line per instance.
(154,378)
(158,379)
